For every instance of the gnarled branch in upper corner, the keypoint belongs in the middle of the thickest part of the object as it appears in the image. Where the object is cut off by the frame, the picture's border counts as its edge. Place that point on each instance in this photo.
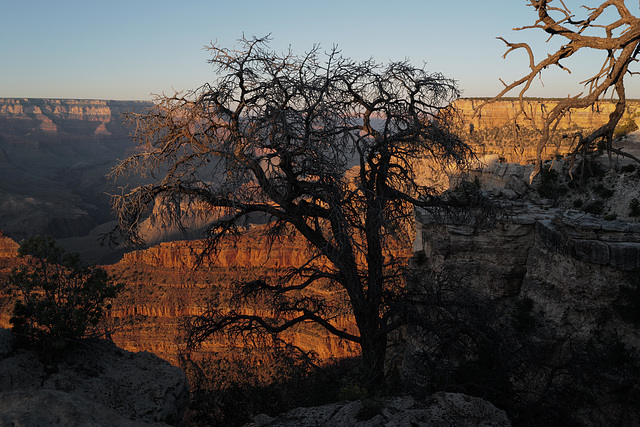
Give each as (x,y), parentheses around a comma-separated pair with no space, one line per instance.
(619,39)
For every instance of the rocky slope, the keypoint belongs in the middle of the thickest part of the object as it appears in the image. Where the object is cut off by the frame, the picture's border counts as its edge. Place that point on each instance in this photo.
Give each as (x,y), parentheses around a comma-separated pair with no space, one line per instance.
(540,242)
(440,409)
(94,384)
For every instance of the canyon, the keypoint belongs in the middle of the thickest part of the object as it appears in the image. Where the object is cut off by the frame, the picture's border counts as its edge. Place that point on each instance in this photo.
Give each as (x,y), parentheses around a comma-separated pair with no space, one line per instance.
(54,158)
(45,143)
(568,262)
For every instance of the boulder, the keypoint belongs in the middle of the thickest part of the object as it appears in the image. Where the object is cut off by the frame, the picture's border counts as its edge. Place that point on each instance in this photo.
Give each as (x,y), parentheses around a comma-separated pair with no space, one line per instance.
(440,409)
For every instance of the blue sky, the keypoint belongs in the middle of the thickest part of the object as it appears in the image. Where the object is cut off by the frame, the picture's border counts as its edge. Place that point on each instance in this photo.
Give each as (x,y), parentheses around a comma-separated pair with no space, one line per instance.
(132,49)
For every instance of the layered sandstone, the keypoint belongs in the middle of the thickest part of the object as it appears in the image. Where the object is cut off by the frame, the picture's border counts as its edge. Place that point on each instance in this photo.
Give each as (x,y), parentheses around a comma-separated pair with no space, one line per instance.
(8,247)
(251,250)
(507,111)
(500,128)
(169,282)
(19,118)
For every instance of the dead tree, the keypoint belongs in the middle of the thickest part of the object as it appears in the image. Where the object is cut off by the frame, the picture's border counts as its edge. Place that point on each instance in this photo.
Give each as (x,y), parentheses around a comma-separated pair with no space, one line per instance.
(619,40)
(319,145)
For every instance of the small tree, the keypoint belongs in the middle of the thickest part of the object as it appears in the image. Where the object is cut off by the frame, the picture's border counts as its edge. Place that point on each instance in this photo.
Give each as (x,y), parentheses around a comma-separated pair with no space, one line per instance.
(618,40)
(60,299)
(322,147)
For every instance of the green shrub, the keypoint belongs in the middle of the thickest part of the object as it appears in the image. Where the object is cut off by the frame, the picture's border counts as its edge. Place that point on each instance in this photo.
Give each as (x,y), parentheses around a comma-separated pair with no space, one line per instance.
(60,299)
(595,208)
(634,207)
(476,182)
(589,169)
(603,191)
(628,168)
(625,127)
(628,303)
(548,185)
(352,392)
(523,319)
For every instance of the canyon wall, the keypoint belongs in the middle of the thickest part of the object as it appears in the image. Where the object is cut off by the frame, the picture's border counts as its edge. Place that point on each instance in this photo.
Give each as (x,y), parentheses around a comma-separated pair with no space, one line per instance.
(22,119)
(570,263)
(54,158)
(542,304)
(164,287)
(8,248)
(499,128)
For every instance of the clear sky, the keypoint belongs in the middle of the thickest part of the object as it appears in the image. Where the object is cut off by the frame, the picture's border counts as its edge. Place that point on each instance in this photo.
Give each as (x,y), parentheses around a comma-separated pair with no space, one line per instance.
(132,49)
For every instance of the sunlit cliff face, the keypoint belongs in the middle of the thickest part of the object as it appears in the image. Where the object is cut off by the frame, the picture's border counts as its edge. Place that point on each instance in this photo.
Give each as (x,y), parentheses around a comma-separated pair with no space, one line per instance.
(499,128)
(163,286)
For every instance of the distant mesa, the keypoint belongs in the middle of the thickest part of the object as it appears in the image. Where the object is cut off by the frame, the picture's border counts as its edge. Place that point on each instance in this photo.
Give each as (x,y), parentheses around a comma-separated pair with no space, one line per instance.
(66,117)
(54,158)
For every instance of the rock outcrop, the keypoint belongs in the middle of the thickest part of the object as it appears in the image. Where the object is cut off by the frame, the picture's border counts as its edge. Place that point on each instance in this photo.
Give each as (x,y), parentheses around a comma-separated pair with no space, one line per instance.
(8,247)
(440,409)
(95,383)
(535,246)
(555,282)
(164,287)
(20,118)
(504,112)
(251,250)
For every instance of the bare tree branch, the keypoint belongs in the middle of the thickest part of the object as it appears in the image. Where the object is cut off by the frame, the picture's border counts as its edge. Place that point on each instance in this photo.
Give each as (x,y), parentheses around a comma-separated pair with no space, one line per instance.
(620,42)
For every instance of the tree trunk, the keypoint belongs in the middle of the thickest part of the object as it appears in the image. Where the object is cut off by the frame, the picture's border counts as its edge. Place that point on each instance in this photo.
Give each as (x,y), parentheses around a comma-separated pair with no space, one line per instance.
(374,349)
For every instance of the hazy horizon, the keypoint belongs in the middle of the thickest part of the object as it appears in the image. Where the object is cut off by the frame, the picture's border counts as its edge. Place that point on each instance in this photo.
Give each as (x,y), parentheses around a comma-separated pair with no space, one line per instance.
(130,50)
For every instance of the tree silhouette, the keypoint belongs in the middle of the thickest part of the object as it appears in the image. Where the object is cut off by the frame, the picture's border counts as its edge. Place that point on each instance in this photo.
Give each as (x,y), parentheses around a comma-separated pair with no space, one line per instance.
(320,146)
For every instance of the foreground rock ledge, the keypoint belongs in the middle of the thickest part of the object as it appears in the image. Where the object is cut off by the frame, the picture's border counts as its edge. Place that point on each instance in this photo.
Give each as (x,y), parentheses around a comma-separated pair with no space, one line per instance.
(440,409)
(96,384)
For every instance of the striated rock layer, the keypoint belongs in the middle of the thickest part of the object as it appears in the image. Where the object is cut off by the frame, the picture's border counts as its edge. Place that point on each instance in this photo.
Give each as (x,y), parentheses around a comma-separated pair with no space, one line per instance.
(569,262)
(164,287)
(19,118)
(499,128)
(8,248)
(559,286)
